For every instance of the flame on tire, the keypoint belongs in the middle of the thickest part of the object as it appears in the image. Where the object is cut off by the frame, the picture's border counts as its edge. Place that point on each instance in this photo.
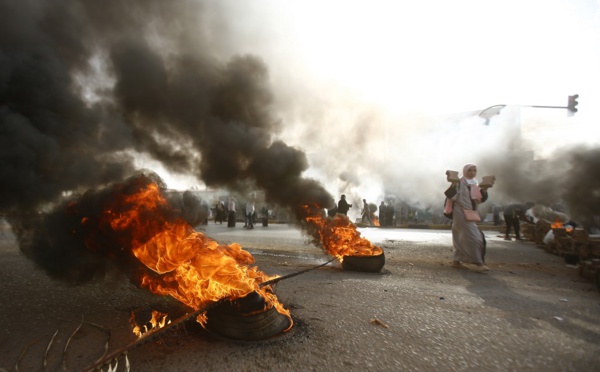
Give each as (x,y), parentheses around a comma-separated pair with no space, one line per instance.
(183,263)
(337,235)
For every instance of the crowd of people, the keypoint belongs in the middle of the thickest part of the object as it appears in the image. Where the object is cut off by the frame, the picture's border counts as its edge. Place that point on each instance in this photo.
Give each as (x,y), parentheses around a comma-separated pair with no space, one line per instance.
(385,215)
(226,210)
(463,200)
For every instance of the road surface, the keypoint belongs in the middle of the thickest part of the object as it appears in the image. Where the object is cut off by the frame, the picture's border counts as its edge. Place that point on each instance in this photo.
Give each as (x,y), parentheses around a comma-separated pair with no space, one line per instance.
(530,312)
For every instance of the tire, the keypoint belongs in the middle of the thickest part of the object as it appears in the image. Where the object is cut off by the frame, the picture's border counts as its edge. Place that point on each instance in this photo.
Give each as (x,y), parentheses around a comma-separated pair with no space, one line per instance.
(242,319)
(370,264)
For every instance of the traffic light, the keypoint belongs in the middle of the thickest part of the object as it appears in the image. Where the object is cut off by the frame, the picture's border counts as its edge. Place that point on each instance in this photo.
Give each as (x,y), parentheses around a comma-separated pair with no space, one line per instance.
(572,105)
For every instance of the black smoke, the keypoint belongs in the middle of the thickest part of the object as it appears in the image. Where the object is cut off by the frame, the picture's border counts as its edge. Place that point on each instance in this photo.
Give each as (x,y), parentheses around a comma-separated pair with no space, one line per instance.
(582,185)
(83,84)
(75,243)
(568,179)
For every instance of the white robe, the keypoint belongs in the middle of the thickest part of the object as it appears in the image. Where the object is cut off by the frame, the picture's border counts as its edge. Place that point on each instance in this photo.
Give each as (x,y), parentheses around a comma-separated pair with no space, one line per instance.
(467,238)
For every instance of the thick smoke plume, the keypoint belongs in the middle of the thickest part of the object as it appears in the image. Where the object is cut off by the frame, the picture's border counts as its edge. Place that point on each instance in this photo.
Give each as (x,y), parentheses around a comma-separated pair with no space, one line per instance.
(568,180)
(86,84)
(153,84)
(74,242)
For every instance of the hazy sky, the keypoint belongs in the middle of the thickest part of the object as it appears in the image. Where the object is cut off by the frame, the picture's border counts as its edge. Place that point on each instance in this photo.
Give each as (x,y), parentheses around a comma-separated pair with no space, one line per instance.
(385,93)
(431,56)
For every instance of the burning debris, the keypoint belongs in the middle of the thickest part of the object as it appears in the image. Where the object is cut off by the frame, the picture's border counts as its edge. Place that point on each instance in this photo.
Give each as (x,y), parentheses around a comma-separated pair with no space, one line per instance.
(246,319)
(340,238)
(575,245)
(115,91)
(131,225)
(157,320)
(373,263)
(568,176)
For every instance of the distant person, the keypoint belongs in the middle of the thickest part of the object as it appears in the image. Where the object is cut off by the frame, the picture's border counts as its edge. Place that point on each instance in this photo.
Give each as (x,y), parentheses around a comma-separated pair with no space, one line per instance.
(220,212)
(206,213)
(382,214)
(366,212)
(389,215)
(231,211)
(496,214)
(343,207)
(513,214)
(265,216)
(250,209)
(468,240)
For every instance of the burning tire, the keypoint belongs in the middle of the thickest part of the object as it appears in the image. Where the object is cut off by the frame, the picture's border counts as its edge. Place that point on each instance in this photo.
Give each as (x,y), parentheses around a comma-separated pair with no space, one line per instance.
(364,263)
(244,319)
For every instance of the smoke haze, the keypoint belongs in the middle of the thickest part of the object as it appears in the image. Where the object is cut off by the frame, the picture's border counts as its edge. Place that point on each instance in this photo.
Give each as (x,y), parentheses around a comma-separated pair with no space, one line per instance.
(85,86)
(170,98)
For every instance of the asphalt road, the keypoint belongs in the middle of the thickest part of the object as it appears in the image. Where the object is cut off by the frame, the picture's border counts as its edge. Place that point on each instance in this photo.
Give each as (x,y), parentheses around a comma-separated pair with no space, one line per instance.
(529,313)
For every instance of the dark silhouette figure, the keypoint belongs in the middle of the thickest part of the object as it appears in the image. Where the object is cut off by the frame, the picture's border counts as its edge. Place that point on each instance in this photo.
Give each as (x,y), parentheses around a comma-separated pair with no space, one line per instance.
(343,207)
(513,214)
(382,214)
(389,215)
(220,212)
(366,212)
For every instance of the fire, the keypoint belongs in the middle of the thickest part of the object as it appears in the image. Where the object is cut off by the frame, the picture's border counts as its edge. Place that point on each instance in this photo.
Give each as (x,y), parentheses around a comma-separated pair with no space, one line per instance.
(558,225)
(182,262)
(158,320)
(375,221)
(338,236)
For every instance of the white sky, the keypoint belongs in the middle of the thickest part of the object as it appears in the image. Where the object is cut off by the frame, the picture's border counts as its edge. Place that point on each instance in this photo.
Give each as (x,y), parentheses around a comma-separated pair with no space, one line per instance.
(433,55)
(336,63)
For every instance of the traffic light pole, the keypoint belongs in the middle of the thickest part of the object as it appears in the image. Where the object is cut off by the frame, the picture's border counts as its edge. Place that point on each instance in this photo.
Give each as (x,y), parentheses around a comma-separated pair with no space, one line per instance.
(495,110)
(558,107)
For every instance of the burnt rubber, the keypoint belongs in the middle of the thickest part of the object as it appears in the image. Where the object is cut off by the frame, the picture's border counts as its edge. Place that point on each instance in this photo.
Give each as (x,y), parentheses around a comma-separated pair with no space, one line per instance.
(243,319)
(370,264)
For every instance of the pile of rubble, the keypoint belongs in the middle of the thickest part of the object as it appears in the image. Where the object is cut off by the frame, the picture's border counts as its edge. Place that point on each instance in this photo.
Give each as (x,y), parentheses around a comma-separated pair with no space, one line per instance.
(574,244)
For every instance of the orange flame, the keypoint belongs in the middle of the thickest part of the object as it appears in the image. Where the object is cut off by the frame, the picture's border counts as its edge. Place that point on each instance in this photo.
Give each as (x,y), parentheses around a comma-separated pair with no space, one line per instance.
(375,220)
(184,263)
(158,320)
(338,236)
(557,225)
